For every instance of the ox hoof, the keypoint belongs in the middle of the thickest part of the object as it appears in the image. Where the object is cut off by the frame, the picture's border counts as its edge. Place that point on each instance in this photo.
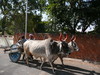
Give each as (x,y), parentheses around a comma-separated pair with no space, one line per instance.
(62,66)
(54,71)
(40,68)
(28,65)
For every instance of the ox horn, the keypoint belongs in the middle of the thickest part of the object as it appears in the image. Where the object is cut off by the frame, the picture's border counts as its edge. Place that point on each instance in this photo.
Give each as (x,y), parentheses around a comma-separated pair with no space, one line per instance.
(66,37)
(60,37)
(73,38)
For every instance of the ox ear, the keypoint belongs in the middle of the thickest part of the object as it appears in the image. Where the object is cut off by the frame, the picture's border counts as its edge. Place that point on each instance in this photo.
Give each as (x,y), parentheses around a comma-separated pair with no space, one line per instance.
(73,38)
(66,37)
(60,37)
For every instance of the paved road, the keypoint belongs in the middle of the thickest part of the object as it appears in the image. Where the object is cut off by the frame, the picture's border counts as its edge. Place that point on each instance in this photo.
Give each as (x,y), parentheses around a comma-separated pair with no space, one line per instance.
(72,67)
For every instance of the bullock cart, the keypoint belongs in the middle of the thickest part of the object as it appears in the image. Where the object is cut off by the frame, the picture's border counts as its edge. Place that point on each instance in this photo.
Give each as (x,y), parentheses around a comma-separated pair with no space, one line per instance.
(14,52)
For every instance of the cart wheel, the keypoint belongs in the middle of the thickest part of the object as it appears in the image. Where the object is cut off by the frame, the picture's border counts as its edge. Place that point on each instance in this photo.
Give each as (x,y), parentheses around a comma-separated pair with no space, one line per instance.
(14,56)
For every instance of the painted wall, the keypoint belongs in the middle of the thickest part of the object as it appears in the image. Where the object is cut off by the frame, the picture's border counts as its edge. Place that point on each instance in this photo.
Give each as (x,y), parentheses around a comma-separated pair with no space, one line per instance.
(89,45)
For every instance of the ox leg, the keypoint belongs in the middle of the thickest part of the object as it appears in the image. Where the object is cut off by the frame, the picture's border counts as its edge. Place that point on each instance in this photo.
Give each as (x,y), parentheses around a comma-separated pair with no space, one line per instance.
(55,58)
(40,59)
(26,58)
(27,61)
(52,66)
(31,57)
(23,56)
(61,59)
(42,62)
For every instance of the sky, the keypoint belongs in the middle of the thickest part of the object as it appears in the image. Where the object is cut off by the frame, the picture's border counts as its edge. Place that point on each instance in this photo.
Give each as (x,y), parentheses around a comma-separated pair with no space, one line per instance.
(90,28)
(0,15)
(44,17)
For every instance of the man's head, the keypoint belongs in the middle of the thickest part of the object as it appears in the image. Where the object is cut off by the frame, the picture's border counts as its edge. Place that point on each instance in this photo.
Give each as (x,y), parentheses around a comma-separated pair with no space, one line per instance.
(31,36)
(22,37)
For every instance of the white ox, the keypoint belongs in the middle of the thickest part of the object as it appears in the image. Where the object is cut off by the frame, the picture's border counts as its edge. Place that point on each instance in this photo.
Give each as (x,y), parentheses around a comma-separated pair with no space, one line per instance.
(49,50)
(46,49)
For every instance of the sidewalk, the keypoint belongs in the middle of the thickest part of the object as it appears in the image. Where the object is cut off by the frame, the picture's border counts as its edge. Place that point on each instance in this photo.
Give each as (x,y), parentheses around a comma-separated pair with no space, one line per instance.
(80,64)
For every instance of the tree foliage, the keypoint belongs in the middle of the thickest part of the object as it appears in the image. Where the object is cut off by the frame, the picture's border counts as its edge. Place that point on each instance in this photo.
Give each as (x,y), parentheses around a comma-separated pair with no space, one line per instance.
(13,12)
(64,15)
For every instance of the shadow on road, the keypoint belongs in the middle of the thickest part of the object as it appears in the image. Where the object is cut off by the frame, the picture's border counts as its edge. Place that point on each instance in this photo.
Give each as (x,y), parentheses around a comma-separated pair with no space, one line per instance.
(67,70)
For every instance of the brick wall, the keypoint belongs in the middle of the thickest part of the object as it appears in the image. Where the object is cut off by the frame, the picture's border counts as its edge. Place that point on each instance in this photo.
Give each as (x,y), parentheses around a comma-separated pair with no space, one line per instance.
(89,45)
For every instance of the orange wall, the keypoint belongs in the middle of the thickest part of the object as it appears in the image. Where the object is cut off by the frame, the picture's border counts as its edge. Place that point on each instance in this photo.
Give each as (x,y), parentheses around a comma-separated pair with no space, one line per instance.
(89,48)
(89,45)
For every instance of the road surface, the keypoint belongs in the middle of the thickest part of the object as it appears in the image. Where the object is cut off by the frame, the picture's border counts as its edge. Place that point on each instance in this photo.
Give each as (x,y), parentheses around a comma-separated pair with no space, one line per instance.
(72,67)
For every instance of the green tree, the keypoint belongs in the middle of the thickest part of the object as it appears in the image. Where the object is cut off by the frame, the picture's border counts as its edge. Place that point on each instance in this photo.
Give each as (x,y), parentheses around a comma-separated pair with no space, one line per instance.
(65,15)
(5,7)
(14,13)
(89,13)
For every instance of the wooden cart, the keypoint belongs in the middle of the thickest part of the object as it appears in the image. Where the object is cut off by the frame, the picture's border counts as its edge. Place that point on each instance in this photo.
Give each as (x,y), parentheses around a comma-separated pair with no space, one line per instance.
(14,52)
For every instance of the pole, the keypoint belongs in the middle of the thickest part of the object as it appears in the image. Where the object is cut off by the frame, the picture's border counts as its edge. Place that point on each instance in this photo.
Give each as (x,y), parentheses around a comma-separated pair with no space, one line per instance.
(26,19)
